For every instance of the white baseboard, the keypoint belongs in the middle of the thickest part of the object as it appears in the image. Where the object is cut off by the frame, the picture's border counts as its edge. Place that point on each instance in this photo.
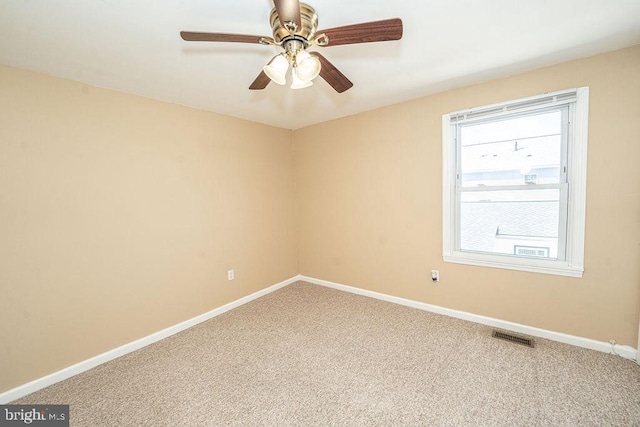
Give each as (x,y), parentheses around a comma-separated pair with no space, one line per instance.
(605,347)
(40,383)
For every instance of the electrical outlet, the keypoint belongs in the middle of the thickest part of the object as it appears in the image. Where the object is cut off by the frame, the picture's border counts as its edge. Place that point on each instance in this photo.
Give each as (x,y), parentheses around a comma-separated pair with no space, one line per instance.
(230,275)
(435,275)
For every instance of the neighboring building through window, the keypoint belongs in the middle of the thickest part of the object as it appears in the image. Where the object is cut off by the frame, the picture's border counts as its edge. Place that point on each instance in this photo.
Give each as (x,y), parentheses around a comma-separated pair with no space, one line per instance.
(515,184)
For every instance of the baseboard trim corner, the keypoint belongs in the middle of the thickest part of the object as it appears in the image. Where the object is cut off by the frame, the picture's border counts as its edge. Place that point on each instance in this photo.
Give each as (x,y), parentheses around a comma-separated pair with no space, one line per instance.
(605,347)
(85,365)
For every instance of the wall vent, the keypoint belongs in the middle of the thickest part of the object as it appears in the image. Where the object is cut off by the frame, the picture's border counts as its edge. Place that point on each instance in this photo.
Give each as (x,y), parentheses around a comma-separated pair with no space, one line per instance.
(513,338)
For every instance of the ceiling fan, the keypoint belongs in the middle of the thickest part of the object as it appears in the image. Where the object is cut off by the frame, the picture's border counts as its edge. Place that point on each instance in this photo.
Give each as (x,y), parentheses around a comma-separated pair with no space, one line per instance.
(294,27)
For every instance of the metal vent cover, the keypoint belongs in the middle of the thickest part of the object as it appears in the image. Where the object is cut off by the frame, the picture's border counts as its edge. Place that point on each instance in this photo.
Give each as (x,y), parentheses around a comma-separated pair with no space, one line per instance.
(514,338)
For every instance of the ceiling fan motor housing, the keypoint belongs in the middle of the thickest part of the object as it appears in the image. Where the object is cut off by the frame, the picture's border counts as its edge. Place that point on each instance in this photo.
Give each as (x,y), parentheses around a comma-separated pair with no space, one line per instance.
(309,21)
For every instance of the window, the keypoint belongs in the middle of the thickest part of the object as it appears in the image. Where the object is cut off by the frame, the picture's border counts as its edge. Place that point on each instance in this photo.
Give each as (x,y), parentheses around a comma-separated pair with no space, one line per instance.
(514,184)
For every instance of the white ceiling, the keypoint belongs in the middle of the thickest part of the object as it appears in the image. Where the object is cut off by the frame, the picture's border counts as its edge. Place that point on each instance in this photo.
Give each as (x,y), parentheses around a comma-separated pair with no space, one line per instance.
(134,46)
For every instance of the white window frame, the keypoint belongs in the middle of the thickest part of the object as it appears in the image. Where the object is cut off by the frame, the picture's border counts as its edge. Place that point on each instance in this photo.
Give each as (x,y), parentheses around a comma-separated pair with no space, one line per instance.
(573,264)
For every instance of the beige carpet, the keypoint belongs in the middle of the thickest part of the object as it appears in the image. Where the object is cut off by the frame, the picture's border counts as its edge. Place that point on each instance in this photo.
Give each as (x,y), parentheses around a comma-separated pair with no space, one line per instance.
(309,355)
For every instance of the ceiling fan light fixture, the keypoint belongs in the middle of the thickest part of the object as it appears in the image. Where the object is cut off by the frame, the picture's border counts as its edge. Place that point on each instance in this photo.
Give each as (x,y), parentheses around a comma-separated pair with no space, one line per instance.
(276,69)
(307,66)
(297,82)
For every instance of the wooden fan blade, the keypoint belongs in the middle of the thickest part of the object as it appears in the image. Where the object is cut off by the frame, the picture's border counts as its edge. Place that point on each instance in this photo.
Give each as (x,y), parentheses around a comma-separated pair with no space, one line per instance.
(332,75)
(288,11)
(367,32)
(192,36)
(260,82)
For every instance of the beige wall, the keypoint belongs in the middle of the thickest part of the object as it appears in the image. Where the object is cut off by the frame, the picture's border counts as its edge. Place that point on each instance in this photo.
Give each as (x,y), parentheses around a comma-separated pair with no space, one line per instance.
(119,216)
(369,205)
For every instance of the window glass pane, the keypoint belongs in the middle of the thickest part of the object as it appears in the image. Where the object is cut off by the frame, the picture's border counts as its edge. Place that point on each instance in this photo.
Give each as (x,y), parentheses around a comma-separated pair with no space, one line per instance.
(512,151)
(519,222)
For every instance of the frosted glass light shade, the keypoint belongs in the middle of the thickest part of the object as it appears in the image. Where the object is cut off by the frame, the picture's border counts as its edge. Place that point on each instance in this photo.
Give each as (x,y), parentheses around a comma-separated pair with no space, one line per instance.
(308,66)
(276,69)
(297,82)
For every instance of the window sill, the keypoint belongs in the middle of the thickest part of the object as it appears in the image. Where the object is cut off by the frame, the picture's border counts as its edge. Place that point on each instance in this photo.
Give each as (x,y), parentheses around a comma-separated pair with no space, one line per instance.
(558,268)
